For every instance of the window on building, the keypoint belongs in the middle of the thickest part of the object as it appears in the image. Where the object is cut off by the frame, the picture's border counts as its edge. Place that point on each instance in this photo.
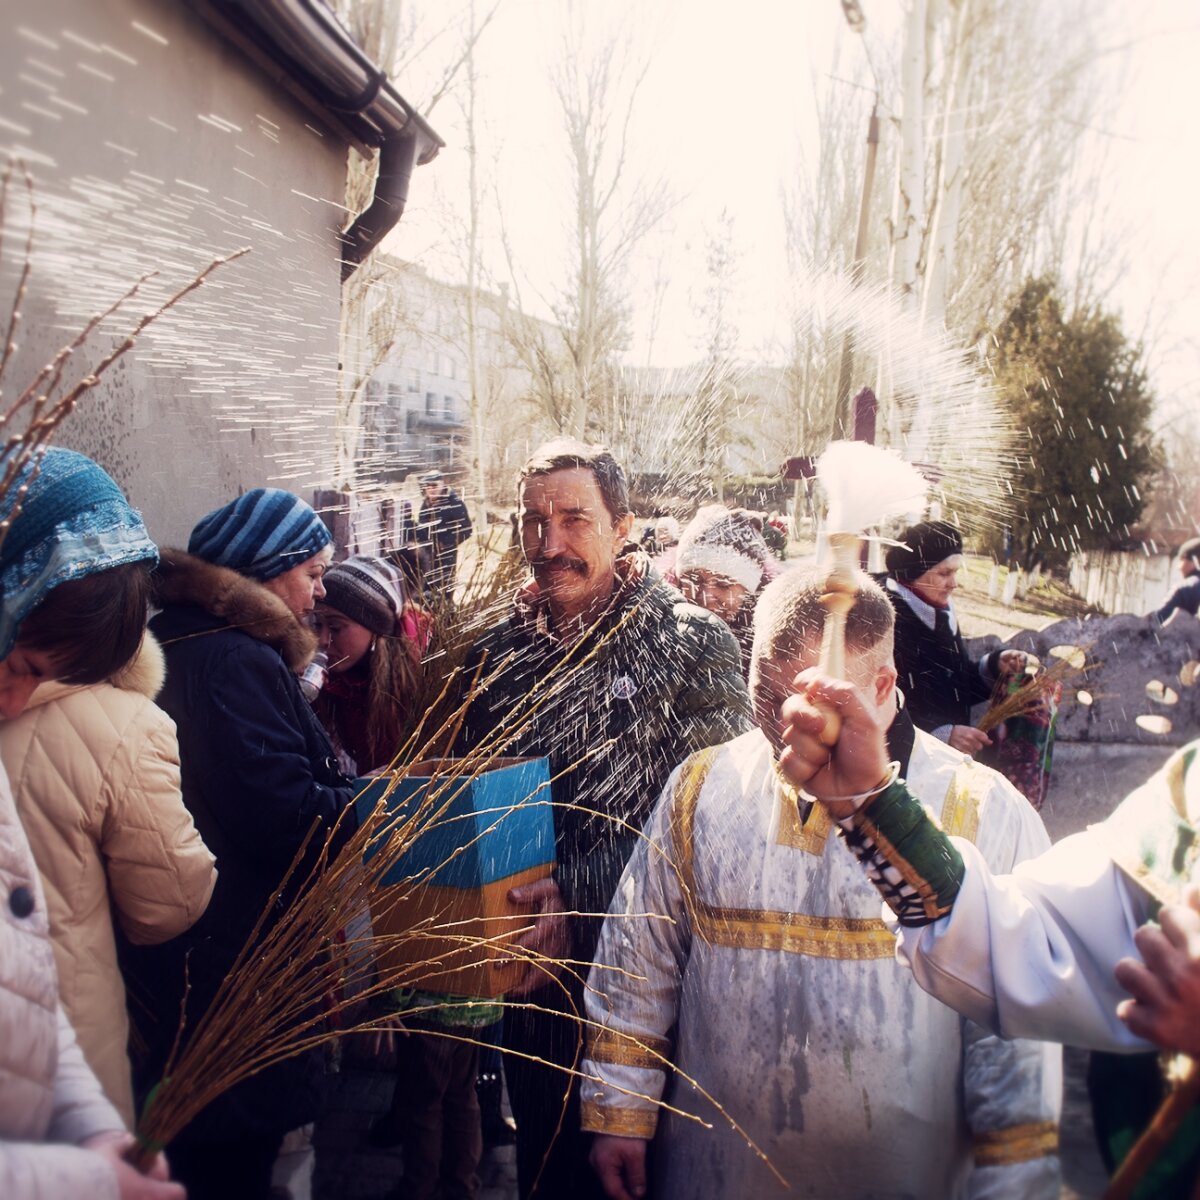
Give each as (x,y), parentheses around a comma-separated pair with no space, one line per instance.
(431,404)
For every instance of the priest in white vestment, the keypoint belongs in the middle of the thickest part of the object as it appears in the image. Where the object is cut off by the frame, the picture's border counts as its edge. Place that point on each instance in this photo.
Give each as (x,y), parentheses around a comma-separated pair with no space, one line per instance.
(744,978)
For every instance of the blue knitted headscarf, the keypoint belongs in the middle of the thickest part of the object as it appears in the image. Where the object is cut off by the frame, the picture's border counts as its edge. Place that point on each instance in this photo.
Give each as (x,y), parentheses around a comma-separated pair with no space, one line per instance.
(261,534)
(73,521)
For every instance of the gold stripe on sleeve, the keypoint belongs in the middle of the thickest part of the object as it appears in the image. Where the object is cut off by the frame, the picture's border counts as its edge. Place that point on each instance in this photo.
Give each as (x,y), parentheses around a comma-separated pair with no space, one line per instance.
(628,1050)
(620,1122)
(1017,1144)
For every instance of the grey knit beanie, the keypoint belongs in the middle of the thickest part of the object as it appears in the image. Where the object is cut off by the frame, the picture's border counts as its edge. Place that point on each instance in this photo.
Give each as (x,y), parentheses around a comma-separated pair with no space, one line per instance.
(368,590)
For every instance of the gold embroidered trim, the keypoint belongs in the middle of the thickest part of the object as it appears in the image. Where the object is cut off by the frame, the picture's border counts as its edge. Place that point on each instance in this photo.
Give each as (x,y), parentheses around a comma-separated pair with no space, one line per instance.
(627,1050)
(857,939)
(846,938)
(683,815)
(1018,1143)
(620,1122)
(960,818)
(960,813)
(907,872)
(809,835)
(1128,861)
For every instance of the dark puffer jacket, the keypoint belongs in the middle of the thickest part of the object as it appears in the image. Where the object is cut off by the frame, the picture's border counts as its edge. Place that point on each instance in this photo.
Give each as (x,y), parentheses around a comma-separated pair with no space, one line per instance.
(665,681)
(257,772)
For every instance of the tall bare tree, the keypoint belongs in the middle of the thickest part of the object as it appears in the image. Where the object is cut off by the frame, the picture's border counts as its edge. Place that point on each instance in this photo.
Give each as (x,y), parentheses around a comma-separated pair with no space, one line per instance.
(1010,90)
(986,107)
(597,78)
(716,394)
(820,205)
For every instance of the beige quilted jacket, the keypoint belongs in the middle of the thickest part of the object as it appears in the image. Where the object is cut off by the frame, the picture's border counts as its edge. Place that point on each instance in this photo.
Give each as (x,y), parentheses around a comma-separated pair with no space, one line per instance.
(95,774)
(49,1099)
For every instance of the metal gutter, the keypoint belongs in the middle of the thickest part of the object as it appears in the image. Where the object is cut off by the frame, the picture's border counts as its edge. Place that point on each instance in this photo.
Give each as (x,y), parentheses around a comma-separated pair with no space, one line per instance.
(303,47)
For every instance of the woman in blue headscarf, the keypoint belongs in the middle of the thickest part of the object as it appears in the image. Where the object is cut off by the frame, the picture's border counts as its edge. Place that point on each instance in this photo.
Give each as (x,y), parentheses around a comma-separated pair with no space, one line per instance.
(74,566)
(258,773)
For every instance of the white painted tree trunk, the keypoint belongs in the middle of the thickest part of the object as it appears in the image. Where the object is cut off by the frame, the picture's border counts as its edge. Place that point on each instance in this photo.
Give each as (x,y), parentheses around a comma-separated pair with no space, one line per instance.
(948,188)
(908,208)
(908,201)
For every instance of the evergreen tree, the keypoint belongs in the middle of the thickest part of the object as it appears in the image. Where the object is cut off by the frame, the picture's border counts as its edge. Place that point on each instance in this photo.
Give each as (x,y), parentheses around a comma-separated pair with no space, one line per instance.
(1078,389)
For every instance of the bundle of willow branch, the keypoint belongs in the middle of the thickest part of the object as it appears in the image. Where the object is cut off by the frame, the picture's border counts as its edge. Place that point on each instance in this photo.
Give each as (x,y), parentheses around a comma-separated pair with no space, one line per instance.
(493,577)
(1031,696)
(276,1000)
(272,1004)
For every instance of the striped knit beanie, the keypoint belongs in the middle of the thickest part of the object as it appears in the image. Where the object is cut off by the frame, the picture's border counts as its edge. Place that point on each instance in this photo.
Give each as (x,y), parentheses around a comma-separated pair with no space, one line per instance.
(261,534)
(73,521)
(725,542)
(370,591)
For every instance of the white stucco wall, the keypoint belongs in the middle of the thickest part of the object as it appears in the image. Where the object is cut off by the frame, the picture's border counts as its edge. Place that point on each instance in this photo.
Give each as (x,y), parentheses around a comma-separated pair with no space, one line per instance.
(156,145)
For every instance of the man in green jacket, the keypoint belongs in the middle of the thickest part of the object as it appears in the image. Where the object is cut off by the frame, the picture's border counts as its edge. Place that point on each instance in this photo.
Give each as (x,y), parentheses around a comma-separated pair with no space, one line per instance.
(610,673)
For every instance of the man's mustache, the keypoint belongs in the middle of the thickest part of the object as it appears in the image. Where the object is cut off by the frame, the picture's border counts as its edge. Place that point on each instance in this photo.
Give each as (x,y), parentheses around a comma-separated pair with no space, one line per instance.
(554,564)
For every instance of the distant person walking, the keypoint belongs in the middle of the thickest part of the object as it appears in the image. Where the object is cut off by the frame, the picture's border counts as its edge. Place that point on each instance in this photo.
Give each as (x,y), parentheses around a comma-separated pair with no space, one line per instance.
(1187,595)
(443,525)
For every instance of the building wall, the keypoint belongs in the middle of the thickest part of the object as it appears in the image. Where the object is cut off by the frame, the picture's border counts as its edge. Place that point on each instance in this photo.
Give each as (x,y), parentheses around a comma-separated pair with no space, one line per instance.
(417,407)
(419,397)
(156,145)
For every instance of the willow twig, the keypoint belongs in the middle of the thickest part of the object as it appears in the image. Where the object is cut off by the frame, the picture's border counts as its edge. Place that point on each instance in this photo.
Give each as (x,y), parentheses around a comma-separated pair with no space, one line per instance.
(37,400)
(14,316)
(1030,696)
(268,1008)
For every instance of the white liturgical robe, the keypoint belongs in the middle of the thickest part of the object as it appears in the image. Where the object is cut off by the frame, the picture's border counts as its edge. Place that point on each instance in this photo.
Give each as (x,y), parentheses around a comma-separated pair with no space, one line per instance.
(765,975)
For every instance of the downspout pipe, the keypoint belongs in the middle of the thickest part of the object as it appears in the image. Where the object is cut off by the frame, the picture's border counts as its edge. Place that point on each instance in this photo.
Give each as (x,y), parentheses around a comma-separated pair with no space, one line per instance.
(397,157)
(303,41)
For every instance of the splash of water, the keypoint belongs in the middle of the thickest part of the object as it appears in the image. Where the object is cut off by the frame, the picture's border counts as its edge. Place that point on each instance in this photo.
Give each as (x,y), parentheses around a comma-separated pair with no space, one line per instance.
(864,485)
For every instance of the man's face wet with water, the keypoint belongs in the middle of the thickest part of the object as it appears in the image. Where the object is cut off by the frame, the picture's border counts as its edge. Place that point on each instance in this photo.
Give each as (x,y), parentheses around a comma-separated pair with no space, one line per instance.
(773,681)
(570,539)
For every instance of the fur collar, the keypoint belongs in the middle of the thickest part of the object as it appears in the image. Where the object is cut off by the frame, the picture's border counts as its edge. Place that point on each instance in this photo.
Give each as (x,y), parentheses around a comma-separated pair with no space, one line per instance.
(243,602)
(145,673)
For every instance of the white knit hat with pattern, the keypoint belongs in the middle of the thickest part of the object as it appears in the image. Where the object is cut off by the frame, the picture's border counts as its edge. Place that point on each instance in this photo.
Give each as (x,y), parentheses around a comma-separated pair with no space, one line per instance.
(724,542)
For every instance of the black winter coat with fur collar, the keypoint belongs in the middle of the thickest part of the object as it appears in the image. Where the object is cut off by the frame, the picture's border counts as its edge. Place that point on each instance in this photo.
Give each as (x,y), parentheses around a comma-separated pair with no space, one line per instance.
(257,771)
